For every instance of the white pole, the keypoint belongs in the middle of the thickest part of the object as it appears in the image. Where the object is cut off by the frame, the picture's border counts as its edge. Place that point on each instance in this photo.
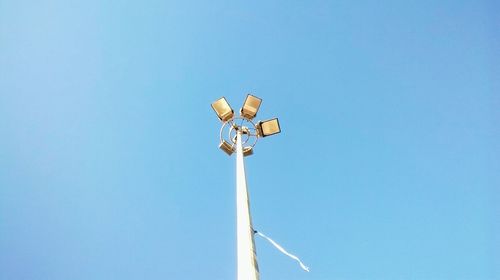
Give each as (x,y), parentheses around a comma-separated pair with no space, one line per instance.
(247,260)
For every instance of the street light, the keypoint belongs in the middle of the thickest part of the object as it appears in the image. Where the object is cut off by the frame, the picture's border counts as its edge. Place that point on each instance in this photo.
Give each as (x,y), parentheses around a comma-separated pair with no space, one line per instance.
(240,134)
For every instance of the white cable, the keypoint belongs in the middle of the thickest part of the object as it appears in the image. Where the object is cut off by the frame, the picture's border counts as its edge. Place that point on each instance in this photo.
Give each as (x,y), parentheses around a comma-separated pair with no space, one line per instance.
(304,267)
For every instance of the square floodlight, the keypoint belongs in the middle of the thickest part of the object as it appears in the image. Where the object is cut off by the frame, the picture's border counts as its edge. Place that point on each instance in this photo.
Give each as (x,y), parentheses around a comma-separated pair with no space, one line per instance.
(223,109)
(226,147)
(269,127)
(247,151)
(250,107)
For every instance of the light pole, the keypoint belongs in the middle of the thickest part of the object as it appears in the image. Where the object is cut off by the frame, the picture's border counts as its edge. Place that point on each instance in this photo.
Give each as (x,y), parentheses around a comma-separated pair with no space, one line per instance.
(240,134)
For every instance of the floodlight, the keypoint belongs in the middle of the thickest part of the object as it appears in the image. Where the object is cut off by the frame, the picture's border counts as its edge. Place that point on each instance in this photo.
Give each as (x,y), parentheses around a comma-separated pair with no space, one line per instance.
(223,109)
(268,128)
(247,151)
(250,107)
(226,147)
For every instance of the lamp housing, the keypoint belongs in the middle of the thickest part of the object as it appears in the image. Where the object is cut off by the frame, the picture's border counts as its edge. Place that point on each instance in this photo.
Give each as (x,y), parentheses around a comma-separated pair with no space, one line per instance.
(250,107)
(247,151)
(226,147)
(223,109)
(268,127)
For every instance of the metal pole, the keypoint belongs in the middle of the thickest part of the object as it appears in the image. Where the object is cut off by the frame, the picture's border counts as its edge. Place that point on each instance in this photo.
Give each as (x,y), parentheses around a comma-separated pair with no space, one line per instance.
(247,260)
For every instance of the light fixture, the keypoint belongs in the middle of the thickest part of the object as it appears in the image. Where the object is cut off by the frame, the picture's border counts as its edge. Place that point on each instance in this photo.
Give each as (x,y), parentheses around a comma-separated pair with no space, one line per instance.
(243,125)
(247,151)
(250,107)
(269,127)
(239,135)
(223,109)
(226,147)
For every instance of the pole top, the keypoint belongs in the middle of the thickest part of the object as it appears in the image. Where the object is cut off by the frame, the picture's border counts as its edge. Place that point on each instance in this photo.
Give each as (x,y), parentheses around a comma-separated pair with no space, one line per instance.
(250,131)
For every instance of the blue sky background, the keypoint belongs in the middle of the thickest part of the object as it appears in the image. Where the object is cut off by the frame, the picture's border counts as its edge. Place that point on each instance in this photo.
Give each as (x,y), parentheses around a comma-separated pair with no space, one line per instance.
(387,167)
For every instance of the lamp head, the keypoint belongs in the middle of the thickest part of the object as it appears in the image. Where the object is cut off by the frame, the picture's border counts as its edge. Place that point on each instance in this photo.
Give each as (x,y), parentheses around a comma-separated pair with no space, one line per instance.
(268,127)
(250,107)
(226,147)
(223,109)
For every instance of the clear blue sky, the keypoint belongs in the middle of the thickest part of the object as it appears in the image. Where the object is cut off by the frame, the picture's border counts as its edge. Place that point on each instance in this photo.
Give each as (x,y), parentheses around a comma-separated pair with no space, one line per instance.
(388,166)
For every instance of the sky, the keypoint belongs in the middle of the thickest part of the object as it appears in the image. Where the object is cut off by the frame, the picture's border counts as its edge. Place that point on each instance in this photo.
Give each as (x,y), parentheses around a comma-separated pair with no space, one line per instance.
(387,166)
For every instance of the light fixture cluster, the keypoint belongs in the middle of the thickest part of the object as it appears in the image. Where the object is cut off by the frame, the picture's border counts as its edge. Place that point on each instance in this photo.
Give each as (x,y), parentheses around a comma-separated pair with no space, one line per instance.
(243,124)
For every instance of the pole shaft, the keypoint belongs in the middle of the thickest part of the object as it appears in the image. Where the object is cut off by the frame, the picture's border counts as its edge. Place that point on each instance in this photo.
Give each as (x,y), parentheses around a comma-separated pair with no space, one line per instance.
(247,260)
